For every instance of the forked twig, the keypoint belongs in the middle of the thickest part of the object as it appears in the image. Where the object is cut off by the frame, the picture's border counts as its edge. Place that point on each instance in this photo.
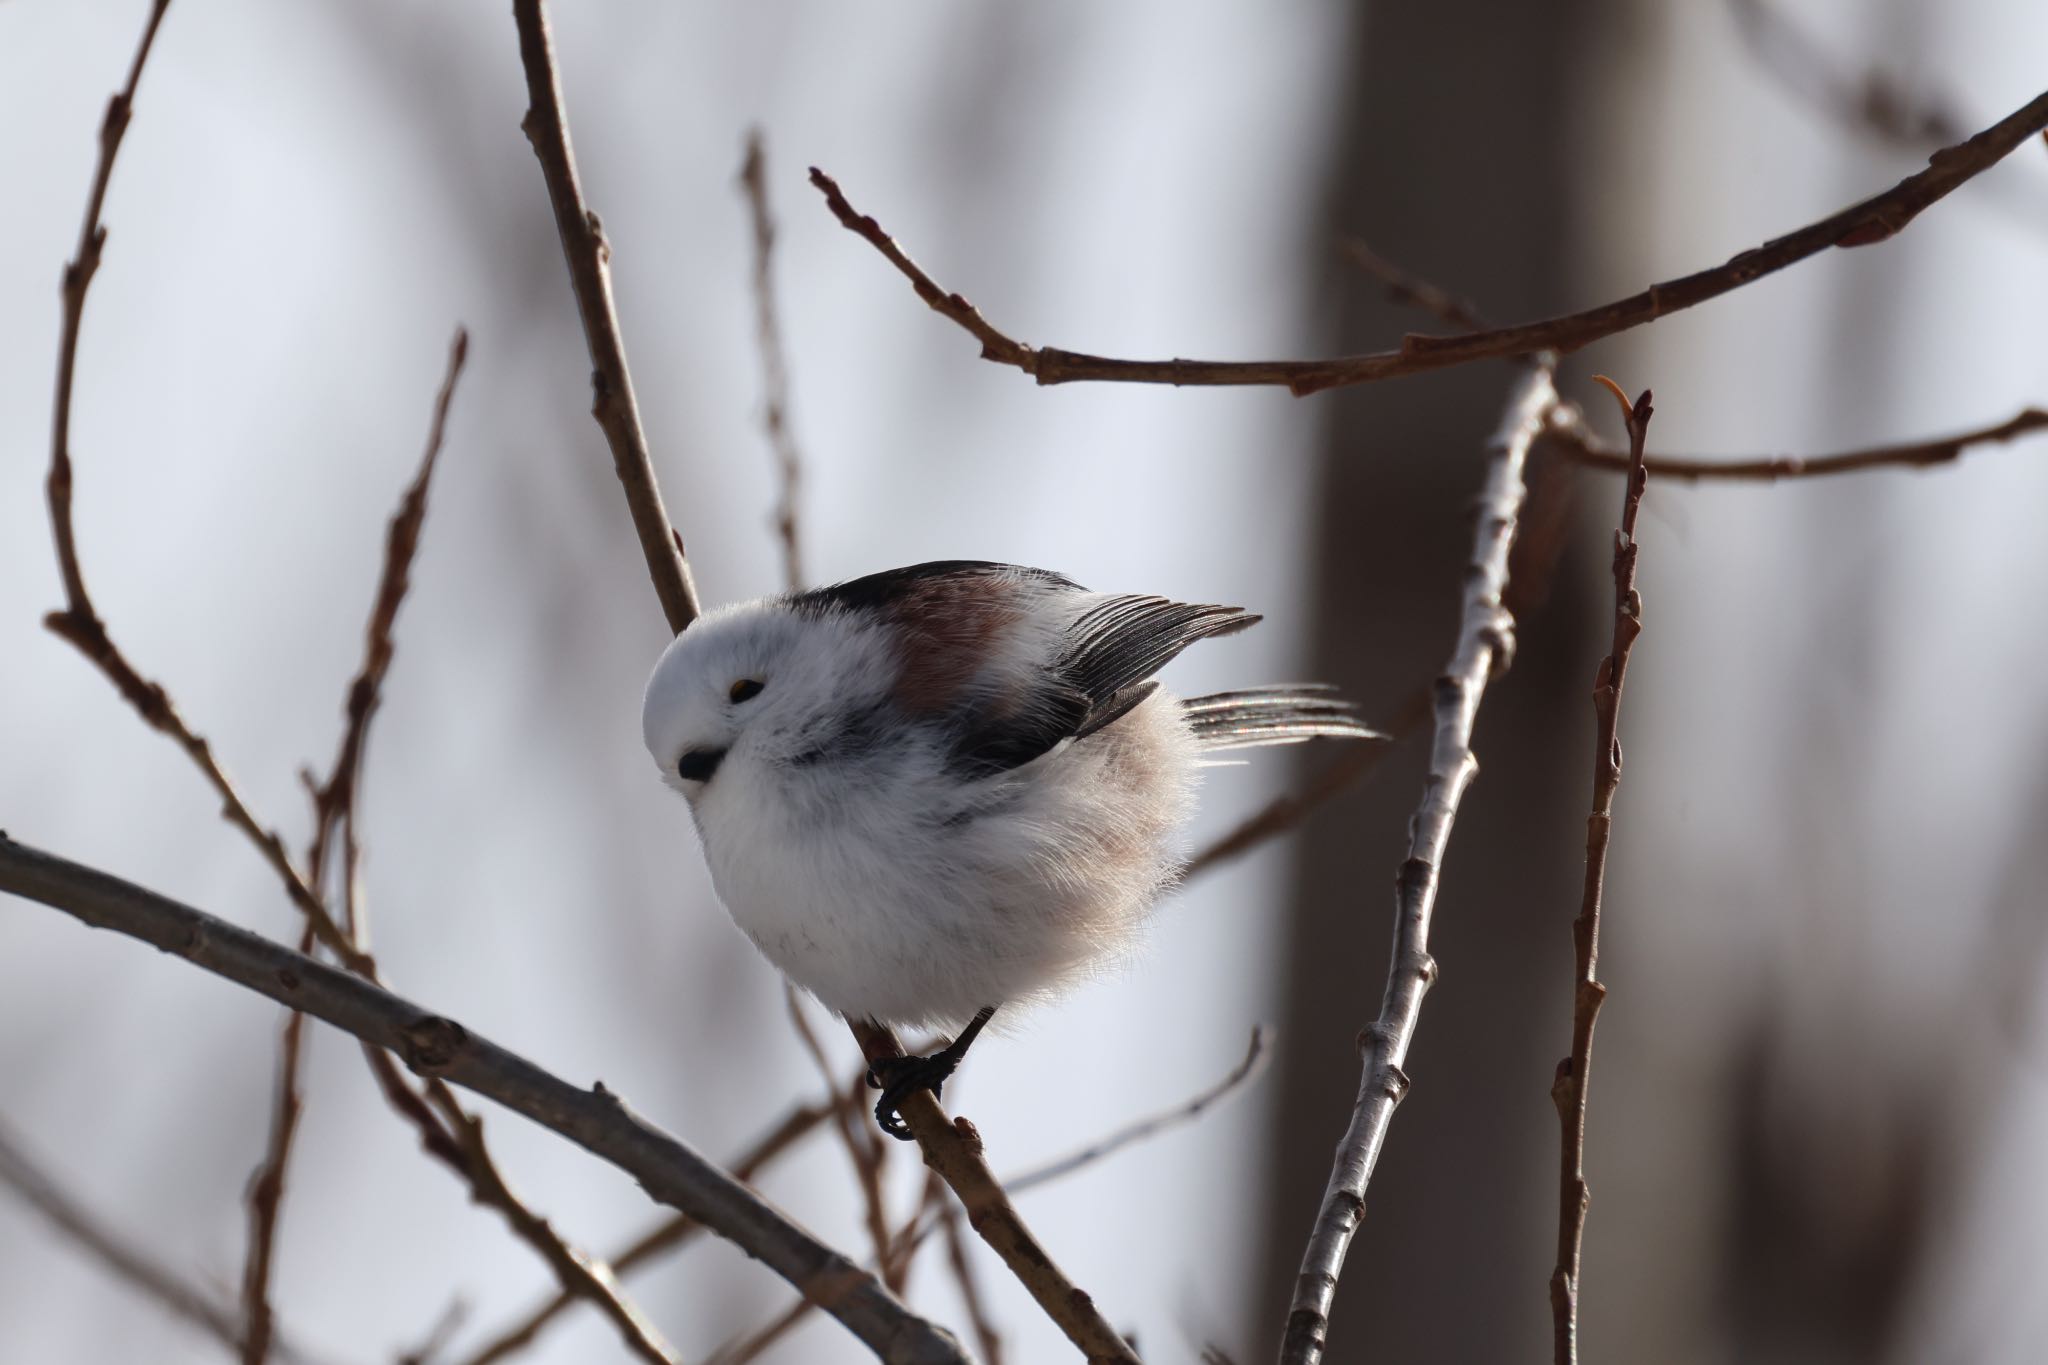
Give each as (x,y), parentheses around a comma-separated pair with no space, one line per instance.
(1568,1091)
(1861,224)
(1484,649)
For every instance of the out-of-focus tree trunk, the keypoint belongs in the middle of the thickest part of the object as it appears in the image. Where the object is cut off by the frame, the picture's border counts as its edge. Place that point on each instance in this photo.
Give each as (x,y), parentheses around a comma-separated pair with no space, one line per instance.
(1456,159)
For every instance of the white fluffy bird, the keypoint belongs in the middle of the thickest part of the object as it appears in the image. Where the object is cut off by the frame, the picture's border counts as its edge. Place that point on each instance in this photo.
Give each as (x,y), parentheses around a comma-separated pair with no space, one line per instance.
(944,788)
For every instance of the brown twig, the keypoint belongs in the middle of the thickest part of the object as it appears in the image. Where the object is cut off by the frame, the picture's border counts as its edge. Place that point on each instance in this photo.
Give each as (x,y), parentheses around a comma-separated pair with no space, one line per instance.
(774,365)
(589,258)
(592,1280)
(1409,289)
(79,622)
(1569,1089)
(904,1246)
(1485,648)
(266,1186)
(1861,224)
(334,804)
(864,1152)
(1187,1111)
(133,1266)
(438,1048)
(953,1149)
(1574,439)
(669,1235)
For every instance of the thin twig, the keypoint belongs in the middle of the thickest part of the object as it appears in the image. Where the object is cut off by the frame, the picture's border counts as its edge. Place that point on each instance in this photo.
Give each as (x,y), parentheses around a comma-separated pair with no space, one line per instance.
(589,258)
(266,1185)
(181,1298)
(866,1155)
(79,622)
(904,1246)
(334,803)
(1485,648)
(1575,440)
(1405,287)
(438,1048)
(1574,1074)
(953,1149)
(592,1280)
(669,1235)
(1871,220)
(774,365)
(1187,1111)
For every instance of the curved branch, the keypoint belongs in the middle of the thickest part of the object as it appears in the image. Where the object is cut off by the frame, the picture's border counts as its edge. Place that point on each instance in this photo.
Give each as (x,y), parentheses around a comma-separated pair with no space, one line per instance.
(1485,648)
(1861,224)
(589,256)
(441,1049)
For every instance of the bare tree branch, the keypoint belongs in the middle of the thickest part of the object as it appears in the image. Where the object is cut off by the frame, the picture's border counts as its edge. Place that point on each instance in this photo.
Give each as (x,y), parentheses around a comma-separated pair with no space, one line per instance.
(1861,224)
(441,1049)
(1574,439)
(589,258)
(774,366)
(1484,650)
(1568,1091)
(133,1266)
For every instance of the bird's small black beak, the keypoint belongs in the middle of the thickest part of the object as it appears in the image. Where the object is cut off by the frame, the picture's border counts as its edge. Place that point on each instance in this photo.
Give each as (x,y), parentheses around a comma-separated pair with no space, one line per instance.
(697,765)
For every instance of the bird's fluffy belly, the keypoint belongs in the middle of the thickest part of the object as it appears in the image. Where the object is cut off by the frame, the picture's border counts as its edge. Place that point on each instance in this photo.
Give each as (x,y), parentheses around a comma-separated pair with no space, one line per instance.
(893,907)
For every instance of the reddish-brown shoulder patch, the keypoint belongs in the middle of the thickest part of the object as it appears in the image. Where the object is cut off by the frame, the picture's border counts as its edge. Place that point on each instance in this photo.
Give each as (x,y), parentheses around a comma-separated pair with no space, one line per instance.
(948,630)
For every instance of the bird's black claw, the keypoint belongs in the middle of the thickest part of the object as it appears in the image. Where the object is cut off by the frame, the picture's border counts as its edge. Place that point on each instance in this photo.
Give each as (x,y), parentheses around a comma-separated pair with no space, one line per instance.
(898,1078)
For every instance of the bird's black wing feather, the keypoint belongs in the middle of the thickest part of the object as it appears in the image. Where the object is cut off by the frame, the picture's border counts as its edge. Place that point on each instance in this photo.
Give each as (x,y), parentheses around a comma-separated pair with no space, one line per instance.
(1103,672)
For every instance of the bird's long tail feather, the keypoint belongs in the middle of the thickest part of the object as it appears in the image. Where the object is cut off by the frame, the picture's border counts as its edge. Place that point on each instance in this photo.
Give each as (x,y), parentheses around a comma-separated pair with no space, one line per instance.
(1283,714)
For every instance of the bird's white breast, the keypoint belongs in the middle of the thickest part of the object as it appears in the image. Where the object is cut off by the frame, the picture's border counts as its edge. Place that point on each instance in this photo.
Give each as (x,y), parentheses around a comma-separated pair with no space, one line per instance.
(890,888)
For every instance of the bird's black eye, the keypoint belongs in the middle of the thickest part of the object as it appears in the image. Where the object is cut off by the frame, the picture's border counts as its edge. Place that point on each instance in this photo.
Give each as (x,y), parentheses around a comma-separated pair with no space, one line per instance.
(746,689)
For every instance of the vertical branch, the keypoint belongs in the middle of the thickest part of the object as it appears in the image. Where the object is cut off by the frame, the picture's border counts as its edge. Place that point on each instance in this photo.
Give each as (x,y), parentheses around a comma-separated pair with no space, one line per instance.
(589,258)
(774,368)
(1485,648)
(1574,1074)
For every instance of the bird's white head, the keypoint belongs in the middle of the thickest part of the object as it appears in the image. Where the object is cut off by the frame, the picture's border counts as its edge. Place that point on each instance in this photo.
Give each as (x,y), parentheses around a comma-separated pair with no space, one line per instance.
(763,681)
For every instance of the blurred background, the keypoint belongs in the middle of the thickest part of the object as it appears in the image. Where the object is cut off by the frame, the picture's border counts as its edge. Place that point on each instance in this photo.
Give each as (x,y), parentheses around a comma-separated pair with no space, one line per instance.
(1819,1092)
